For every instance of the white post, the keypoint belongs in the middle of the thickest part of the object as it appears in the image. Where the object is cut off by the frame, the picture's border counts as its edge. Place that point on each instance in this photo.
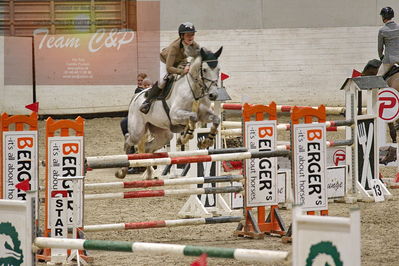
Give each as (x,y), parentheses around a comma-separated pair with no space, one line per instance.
(77,190)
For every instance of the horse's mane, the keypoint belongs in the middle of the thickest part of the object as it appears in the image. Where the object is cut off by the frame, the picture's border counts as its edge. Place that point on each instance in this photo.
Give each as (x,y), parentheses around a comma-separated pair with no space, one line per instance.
(195,66)
(372,64)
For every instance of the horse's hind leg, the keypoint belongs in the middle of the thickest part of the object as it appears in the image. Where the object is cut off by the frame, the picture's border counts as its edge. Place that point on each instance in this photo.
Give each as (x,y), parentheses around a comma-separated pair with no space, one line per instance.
(136,133)
(160,137)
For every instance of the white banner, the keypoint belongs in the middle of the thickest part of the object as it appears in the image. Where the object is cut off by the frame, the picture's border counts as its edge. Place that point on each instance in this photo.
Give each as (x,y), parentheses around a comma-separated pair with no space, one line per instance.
(261,173)
(17,232)
(65,159)
(325,240)
(336,181)
(20,162)
(336,156)
(59,221)
(282,186)
(236,198)
(309,147)
(388,104)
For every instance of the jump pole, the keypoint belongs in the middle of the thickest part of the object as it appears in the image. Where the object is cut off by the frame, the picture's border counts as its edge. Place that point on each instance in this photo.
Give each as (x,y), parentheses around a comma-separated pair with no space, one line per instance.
(331,110)
(163,193)
(115,163)
(247,255)
(122,161)
(166,182)
(98,162)
(331,125)
(161,224)
(237,132)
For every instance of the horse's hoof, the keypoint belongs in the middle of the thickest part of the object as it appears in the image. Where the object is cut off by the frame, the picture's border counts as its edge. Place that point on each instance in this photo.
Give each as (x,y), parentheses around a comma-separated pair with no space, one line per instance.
(194,118)
(178,142)
(121,173)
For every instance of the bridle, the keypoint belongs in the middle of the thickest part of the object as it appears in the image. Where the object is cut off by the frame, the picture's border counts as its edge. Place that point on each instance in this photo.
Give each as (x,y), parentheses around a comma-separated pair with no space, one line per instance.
(202,84)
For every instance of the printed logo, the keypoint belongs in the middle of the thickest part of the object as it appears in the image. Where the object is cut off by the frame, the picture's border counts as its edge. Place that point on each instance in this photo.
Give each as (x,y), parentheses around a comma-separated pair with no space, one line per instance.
(388,104)
(339,156)
(10,246)
(324,253)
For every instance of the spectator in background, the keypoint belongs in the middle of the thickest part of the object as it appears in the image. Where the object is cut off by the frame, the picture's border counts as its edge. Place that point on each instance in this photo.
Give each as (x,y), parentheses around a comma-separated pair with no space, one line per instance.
(142,82)
(140,78)
(147,83)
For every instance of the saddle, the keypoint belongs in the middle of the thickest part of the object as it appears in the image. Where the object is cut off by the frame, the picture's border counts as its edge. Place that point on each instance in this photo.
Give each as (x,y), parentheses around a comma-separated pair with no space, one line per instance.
(163,96)
(394,69)
(166,90)
(168,87)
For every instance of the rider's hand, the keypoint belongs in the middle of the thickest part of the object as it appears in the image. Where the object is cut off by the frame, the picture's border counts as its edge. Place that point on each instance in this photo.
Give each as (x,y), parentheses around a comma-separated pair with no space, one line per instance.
(186,69)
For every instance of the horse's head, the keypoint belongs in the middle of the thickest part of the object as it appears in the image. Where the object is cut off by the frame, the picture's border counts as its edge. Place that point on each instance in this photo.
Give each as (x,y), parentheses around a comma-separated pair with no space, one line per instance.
(371,69)
(205,71)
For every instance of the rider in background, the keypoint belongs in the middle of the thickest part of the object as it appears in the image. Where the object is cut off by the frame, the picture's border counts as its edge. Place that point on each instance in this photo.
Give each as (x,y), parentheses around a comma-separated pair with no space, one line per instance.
(173,61)
(388,41)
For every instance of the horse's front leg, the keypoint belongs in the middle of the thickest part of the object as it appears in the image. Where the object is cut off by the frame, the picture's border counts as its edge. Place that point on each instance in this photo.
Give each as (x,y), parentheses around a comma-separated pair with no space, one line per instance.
(181,117)
(210,139)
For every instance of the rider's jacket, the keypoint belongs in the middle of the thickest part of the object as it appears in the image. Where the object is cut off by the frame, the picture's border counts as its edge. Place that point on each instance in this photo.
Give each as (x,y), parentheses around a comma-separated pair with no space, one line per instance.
(388,40)
(174,55)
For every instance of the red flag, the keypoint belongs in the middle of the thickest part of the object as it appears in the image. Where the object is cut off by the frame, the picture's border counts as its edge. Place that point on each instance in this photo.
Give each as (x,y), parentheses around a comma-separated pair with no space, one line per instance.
(24,185)
(33,107)
(224,76)
(356,73)
(201,261)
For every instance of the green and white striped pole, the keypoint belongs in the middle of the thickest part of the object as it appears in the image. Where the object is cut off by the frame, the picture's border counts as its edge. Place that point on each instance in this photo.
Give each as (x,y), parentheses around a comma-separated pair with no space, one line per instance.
(247,255)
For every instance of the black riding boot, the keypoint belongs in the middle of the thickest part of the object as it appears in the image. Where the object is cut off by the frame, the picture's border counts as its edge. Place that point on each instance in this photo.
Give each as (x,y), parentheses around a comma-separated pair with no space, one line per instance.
(153,93)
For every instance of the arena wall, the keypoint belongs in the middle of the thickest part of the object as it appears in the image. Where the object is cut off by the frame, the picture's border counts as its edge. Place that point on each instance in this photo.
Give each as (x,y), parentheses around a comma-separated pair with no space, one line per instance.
(265,14)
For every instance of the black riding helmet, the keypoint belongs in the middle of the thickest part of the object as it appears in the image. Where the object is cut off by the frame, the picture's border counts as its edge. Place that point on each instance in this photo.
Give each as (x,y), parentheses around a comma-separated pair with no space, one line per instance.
(186,27)
(387,13)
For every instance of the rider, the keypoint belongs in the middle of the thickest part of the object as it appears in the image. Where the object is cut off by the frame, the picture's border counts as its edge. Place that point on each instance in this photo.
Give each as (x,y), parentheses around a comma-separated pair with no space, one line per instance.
(173,61)
(388,41)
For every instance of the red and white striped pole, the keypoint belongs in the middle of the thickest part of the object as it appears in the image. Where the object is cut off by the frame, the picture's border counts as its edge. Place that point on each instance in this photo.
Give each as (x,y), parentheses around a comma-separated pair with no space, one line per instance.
(163,193)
